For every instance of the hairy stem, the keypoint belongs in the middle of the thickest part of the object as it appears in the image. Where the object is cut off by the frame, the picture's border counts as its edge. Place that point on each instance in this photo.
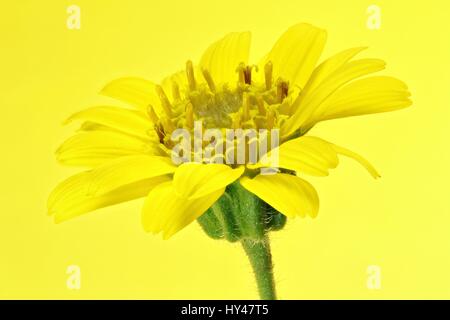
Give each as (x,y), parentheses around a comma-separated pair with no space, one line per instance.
(260,258)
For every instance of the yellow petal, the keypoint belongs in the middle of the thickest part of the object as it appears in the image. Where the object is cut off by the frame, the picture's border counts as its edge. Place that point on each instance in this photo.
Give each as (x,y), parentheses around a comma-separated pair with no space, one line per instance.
(66,190)
(126,170)
(310,155)
(93,148)
(306,154)
(296,53)
(223,57)
(164,211)
(358,158)
(135,91)
(366,96)
(290,195)
(350,71)
(328,67)
(71,197)
(108,184)
(128,121)
(194,180)
(309,108)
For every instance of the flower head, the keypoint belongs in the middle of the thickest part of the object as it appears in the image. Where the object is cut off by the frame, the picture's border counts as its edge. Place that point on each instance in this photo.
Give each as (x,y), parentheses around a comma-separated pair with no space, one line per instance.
(129,152)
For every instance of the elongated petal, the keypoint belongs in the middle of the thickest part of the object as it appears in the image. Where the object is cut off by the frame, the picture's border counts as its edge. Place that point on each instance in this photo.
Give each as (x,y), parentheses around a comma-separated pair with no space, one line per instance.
(223,57)
(108,184)
(307,154)
(314,103)
(112,175)
(309,107)
(195,180)
(350,71)
(164,211)
(290,195)
(93,148)
(366,164)
(71,198)
(310,155)
(126,170)
(128,121)
(328,67)
(365,96)
(111,140)
(137,92)
(296,53)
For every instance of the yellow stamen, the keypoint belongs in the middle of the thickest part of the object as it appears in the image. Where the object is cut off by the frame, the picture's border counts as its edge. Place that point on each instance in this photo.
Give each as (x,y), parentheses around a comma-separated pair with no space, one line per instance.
(268,68)
(152,114)
(245,106)
(259,122)
(236,120)
(261,107)
(165,103)
(209,80)
(176,91)
(190,75)
(189,115)
(160,132)
(167,125)
(271,118)
(240,71)
(248,73)
(282,90)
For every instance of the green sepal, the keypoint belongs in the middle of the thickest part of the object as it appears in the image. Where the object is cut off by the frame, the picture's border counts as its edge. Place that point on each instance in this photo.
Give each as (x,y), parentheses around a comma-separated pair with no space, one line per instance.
(238,215)
(210,224)
(274,220)
(247,211)
(219,221)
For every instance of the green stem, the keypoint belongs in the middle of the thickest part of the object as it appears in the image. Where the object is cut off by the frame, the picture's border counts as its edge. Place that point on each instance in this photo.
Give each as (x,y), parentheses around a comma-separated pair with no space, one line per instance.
(261,260)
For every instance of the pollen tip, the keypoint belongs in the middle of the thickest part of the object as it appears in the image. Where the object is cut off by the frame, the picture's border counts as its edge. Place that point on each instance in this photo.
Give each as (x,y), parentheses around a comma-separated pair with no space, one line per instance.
(282,89)
(268,69)
(241,73)
(240,66)
(190,75)
(165,103)
(261,107)
(190,115)
(209,80)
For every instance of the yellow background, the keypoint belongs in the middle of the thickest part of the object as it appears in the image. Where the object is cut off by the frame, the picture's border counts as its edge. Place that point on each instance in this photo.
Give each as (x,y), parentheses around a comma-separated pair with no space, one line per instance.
(400,222)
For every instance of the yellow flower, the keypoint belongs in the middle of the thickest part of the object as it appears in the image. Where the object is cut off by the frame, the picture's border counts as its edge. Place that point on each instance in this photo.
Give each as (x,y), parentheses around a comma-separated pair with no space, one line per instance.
(128,151)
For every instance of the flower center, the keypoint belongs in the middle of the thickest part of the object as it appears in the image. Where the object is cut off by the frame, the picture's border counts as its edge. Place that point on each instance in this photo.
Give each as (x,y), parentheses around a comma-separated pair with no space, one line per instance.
(246,104)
